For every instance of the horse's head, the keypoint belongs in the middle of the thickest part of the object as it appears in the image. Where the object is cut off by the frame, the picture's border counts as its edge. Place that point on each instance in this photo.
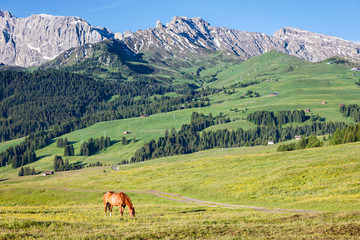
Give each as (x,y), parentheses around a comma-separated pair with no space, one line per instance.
(132,213)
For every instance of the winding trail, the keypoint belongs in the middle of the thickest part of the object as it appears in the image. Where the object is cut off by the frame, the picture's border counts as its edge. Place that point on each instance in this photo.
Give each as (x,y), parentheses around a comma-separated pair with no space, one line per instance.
(179,198)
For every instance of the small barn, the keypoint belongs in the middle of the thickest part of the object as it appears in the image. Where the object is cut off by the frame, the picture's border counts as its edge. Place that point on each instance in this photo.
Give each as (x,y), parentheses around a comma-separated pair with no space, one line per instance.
(271,142)
(144,115)
(274,94)
(340,105)
(48,173)
(297,137)
(125,132)
(307,110)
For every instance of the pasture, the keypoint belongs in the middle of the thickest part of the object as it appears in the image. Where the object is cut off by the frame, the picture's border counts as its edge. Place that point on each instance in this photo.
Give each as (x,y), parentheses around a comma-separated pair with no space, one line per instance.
(322,191)
(238,193)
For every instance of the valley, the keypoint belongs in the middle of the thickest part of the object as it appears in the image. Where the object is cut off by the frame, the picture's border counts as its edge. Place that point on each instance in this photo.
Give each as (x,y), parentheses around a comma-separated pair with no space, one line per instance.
(196,121)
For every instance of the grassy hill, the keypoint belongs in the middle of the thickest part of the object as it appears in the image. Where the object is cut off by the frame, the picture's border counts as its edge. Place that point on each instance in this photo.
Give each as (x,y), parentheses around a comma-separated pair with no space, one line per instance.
(304,87)
(324,179)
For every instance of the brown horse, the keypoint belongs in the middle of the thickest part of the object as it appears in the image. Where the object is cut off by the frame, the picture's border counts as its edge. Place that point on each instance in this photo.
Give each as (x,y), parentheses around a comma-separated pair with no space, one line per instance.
(118,199)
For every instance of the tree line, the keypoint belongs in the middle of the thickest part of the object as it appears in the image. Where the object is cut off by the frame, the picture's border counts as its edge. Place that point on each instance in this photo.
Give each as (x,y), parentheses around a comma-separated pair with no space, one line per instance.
(35,101)
(304,142)
(351,110)
(92,146)
(125,106)
(189,139)
(26,171)
(61,165)
(346,135)
(268,118)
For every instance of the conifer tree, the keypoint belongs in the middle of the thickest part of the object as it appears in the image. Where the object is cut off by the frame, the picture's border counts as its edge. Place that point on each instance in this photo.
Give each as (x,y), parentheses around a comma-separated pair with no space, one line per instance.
(123,140)
(21,172)
(337,138)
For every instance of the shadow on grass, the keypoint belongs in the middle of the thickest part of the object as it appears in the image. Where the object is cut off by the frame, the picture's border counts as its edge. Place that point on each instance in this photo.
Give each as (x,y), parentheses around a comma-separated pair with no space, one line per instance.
(42,156)
(194,211)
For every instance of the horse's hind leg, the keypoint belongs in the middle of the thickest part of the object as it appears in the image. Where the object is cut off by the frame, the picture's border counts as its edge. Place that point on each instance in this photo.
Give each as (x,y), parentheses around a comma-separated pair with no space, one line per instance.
(106,207)
(110,209)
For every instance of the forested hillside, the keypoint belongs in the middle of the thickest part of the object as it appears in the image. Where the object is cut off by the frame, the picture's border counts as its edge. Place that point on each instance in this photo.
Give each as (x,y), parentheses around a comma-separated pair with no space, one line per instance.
(31,102)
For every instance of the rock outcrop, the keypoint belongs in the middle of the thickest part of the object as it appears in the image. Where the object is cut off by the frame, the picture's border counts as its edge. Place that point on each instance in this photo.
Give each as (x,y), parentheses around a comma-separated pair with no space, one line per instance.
(34,40)
(316,47)
(192,34)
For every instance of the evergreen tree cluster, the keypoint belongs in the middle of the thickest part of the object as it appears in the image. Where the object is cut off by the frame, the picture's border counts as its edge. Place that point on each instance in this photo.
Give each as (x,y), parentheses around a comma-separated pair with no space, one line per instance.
(31,143)
(124,106)
(60,165)
(69,150)
(358,83)
(189,139)
(346,135)
(243,84)
(18,156)
(92,146)
(305,142)
(250,94)
(268,118)
(25,171)
(185,141)
(35,101)
(352,110)
(61,142)
(97,164)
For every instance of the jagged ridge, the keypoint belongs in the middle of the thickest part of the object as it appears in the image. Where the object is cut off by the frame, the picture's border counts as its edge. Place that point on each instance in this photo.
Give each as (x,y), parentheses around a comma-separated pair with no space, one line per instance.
(36,39)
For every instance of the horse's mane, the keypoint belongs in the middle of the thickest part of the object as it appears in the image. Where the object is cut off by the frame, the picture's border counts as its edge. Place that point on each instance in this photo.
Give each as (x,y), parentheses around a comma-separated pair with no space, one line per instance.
(128,201)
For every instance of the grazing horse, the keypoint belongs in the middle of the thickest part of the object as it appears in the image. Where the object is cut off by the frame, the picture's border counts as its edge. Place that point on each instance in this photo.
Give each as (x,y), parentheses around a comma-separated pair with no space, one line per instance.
(118,199)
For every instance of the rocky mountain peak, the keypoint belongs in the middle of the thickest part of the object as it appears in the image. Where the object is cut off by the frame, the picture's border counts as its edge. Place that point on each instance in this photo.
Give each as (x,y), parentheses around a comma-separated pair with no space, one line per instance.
(36,39)
(315,46)
(185,24)
(6,14)
(159,24)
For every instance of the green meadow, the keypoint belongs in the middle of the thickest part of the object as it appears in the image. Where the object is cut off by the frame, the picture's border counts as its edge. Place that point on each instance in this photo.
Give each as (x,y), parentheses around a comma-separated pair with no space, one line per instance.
(237,193)
(312,193)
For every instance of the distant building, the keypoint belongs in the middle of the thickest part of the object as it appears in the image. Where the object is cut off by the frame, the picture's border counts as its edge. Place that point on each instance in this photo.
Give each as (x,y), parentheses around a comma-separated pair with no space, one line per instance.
(274,94)
(307,110)
(297,137)
(330,63)
(271,142)
(125,132)
(323,102)
(340,105)
(355,69)
(144,115)
(48,173)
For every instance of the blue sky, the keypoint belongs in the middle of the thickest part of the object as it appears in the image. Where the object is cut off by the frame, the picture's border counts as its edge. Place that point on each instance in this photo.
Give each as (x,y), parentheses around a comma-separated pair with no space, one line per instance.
(338,18)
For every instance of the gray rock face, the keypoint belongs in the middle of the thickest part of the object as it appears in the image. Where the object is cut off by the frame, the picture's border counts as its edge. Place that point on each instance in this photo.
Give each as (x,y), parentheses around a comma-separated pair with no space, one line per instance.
(316,47)
(192,34)
(36,39)
(240,43)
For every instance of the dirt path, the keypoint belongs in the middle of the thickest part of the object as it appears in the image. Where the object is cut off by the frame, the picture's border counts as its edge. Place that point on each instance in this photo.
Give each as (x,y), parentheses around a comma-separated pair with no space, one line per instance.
(179,198)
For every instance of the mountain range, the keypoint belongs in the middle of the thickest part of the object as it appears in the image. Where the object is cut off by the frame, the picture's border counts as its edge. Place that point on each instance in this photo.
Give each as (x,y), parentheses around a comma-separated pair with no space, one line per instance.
(37,39)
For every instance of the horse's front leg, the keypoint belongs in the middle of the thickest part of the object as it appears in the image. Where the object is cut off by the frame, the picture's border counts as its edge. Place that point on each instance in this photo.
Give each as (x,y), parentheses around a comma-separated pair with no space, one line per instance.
(121,210)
